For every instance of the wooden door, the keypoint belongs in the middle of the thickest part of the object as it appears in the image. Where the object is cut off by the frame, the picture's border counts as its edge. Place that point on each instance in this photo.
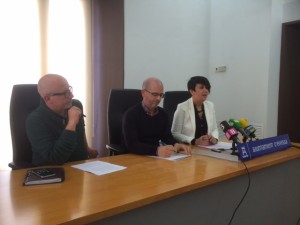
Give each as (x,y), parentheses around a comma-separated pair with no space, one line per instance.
(289,83)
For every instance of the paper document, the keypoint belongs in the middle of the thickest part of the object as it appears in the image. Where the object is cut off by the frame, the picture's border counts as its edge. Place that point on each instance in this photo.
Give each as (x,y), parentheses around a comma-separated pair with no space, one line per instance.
(219,145)
(220,155)
(173,157)
(99,167)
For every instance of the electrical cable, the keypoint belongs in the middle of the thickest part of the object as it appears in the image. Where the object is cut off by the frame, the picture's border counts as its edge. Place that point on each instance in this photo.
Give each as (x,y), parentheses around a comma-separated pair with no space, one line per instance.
(246,192)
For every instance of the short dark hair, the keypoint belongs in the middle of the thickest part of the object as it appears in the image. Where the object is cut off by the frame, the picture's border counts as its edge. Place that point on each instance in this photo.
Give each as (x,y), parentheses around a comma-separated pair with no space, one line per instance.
(191,85)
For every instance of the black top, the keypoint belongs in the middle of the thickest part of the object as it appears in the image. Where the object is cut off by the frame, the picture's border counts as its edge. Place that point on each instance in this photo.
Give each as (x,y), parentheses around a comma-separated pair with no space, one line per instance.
(141,132)
(51,143)
(201,124)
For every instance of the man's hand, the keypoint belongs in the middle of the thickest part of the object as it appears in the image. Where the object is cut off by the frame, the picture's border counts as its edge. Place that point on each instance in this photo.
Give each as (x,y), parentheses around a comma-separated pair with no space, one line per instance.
(186,149)
(93,153)
(165,151)
(74,114)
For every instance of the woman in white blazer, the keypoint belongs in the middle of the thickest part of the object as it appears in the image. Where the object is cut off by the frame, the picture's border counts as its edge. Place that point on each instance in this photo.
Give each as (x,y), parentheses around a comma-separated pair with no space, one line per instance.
(195,119)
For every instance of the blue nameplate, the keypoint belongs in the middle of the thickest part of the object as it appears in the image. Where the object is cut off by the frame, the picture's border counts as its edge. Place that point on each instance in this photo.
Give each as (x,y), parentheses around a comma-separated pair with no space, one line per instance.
(252,149)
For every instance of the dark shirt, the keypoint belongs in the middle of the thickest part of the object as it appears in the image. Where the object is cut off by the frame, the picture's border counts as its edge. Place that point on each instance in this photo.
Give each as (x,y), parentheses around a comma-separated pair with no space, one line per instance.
(201,124)
(51,143)
(142,132)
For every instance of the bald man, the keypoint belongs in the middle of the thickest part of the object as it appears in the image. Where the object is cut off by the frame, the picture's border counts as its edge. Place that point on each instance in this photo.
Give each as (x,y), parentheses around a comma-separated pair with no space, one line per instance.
(145,127)
(56,128)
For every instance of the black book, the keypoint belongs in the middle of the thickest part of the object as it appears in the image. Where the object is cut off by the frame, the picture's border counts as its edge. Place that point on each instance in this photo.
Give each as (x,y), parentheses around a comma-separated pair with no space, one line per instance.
(44,176)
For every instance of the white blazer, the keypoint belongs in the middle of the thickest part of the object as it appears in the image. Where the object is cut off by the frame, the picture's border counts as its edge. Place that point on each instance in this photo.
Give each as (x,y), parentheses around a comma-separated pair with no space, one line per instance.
(184,124)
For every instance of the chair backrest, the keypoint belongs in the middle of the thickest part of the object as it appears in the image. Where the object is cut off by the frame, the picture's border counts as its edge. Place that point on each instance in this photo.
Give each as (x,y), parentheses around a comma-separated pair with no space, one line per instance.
(172,99)
(119,101)
(24,99)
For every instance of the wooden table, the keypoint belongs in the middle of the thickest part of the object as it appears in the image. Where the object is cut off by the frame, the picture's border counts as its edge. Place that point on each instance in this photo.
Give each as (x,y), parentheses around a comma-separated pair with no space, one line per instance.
(197,190)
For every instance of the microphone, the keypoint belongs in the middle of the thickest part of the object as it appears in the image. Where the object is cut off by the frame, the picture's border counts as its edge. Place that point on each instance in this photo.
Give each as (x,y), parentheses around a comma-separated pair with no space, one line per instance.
(249,129)
(230,132)
(237,125)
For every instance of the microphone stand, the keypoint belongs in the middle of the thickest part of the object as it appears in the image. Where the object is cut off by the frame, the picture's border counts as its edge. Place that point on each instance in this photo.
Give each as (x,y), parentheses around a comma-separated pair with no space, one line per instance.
(234,149)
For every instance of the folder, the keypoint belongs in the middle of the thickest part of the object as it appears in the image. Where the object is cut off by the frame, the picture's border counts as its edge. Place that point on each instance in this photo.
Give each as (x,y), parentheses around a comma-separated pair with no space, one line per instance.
(56,175)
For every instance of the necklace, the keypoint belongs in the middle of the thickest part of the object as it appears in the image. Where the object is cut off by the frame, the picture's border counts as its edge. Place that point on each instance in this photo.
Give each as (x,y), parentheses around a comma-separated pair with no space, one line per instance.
(200,112)
(199,108)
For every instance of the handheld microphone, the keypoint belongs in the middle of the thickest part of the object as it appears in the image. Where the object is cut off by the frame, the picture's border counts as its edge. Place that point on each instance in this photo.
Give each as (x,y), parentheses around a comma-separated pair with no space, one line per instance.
(249,129)
(230,132)
(237,125)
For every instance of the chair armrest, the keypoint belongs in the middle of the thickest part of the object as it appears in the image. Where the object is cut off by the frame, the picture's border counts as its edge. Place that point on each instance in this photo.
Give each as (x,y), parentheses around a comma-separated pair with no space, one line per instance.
(19,165)
(115,149)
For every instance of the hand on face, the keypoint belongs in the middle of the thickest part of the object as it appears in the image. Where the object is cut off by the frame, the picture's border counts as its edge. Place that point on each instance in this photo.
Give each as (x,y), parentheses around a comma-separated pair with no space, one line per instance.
(74,114)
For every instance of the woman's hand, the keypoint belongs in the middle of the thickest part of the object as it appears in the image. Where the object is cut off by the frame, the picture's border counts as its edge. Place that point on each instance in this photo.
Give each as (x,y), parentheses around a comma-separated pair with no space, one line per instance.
(206,140)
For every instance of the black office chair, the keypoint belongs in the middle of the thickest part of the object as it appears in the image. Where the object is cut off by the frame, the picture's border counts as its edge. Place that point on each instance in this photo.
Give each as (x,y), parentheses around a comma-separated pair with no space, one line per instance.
(24,99)
(119,101)
(172,99)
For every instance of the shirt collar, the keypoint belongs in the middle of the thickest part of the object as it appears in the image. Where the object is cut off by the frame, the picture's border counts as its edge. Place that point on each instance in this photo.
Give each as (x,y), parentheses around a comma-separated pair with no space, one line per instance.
(148,112)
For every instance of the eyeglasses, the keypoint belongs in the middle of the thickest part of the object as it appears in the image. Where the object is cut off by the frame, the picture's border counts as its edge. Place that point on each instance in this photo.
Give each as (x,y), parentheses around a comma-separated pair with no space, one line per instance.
(66,93)
(154,94)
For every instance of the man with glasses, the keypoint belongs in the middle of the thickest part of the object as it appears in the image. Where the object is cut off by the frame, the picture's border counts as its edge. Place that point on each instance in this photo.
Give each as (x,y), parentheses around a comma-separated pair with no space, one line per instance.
(56,128)
(146,129)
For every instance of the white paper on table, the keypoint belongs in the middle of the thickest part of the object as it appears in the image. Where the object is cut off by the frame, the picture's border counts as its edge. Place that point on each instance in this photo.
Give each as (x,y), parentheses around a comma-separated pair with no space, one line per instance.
(219,145)
(99,167)
(173,157)
(225,153)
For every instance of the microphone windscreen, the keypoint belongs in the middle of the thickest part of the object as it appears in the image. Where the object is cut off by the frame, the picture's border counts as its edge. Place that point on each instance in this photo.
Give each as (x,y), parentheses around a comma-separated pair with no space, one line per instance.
(224,126)
(244,123)
(230,132)
(250,130)
(235,123)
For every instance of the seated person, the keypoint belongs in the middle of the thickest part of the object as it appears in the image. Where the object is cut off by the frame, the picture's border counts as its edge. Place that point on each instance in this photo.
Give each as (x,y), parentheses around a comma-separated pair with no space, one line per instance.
(56,129)
(194,120)
(145,126)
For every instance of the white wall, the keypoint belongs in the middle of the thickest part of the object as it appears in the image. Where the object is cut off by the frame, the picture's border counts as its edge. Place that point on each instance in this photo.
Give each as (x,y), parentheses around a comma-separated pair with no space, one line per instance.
(167,39)
(291,11)
(175,40)
(240,39)
(271,114)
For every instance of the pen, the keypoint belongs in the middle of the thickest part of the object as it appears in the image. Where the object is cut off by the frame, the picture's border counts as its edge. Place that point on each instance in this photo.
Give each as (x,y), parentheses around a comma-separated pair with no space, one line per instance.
(161,143)
(216,150)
